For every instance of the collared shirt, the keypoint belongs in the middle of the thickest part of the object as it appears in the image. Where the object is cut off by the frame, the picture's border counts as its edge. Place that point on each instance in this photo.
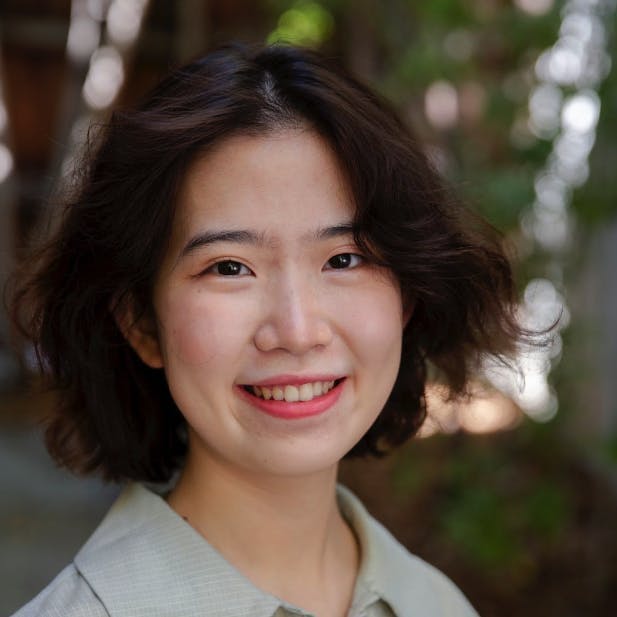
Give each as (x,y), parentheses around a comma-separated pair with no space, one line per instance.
(145,561)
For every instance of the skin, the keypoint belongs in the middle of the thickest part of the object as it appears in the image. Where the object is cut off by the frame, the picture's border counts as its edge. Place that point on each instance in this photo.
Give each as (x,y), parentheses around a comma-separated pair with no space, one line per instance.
(298,300)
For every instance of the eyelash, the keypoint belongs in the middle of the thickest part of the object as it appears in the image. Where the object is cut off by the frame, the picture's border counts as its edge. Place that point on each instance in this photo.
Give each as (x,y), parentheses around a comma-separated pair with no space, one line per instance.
(214,268)
(354,261)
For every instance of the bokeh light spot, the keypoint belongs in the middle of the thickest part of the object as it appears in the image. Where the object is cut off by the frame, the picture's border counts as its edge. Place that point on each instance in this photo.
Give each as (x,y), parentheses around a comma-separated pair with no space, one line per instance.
(534,7)
(6,162)
(441,105)
(104,78)
(581,111)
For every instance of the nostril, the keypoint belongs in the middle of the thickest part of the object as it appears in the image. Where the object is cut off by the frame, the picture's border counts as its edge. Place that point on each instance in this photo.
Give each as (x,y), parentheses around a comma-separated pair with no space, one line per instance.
(293,332)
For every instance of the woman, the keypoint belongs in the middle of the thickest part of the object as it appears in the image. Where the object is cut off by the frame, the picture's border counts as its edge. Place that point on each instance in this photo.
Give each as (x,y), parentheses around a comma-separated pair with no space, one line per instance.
(248,284)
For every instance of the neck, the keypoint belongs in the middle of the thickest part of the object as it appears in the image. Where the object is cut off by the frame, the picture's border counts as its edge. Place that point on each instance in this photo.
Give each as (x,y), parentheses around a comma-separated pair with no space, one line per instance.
(266,526)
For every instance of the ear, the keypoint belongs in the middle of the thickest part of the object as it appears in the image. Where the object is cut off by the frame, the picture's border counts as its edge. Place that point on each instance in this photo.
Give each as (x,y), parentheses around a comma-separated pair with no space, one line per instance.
(141,334)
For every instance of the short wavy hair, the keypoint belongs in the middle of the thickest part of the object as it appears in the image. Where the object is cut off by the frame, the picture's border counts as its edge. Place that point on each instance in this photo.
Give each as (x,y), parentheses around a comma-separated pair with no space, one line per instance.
(114,414)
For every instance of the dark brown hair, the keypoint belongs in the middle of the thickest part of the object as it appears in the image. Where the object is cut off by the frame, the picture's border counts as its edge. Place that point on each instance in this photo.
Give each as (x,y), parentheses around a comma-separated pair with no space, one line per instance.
(115,415)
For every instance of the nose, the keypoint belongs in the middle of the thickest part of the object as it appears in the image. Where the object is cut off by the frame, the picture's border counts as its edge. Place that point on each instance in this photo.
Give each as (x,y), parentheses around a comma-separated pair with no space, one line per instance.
(295,318)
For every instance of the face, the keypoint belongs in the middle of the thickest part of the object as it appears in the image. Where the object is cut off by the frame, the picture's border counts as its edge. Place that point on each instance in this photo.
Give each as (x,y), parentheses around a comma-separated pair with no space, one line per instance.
(279,341)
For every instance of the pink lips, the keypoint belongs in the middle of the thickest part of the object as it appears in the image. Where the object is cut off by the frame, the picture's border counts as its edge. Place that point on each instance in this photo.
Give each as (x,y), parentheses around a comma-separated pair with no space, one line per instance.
(300,409)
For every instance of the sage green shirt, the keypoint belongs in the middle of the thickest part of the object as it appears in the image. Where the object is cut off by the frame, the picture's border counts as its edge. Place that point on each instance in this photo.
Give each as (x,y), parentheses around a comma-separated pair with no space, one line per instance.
(145,561)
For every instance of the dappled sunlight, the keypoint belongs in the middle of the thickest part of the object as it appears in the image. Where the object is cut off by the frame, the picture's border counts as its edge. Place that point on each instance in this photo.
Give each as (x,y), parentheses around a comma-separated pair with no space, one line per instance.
(534,7)
(124,20)
(103,48)
(6,157)
(101,34)
(104,78)
(578,60)
(485,411)
(509,490)
(3,116)
(84,35)
(441,105)
(6,162)
(527,383)
(564,108)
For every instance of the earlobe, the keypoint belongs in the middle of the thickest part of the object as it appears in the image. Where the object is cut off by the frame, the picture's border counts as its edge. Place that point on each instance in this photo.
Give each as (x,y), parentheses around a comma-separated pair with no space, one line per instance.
(146,345)
(141,335)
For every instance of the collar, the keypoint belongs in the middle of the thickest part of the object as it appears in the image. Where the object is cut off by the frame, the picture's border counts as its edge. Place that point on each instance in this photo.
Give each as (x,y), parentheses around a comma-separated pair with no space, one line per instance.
(144,550)
(390,573)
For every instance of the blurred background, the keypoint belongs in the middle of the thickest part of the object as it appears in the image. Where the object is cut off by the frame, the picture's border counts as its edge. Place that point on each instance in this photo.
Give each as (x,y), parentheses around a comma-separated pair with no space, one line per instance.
(513,493)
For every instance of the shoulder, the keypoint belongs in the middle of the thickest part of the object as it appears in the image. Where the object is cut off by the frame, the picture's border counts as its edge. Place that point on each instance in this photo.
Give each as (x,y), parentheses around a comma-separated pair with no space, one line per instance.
(74,592)
(68,595)
(406,582)
(422,585)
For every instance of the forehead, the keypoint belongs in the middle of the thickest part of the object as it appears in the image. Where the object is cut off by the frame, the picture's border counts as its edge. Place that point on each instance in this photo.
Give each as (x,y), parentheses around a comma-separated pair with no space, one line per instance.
(283,181)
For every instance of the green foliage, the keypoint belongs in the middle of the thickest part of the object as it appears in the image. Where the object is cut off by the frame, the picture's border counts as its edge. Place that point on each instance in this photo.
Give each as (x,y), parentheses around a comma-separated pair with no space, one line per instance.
(546,510)
(596,201)
(505,503)
(479,525)
(494,51)
(609,449)
(305,23)
(503,193)
(497,528)
(497,508)
(489,44)
(446,12)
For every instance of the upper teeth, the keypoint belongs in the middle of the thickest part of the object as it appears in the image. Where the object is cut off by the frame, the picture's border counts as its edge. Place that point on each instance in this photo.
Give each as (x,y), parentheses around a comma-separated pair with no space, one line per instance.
(292,394)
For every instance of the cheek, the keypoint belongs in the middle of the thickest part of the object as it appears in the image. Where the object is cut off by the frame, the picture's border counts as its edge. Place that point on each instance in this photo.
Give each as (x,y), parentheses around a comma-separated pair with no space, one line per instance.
(377,320)
(196,331)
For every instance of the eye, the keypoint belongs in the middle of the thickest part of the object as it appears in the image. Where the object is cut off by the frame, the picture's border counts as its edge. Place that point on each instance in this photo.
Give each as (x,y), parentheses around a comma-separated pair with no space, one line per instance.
(344,261)
(229,267)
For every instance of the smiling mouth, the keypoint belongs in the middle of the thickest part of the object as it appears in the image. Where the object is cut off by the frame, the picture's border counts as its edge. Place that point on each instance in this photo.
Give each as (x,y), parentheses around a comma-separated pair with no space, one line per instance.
(293,393)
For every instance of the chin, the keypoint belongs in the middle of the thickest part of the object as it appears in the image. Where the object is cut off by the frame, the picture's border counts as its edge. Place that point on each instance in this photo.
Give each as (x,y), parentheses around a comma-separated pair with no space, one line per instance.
(303,459)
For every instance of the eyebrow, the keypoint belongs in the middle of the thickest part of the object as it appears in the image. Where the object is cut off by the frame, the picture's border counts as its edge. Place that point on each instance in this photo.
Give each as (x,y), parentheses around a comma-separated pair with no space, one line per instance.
(248,236)
(334,231)
(239,236)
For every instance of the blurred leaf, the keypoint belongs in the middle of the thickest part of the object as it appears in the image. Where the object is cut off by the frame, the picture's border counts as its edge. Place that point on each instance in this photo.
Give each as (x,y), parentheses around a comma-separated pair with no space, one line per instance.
(447,12)
(505,193)
(547,510)
(478,524)
(305,23)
